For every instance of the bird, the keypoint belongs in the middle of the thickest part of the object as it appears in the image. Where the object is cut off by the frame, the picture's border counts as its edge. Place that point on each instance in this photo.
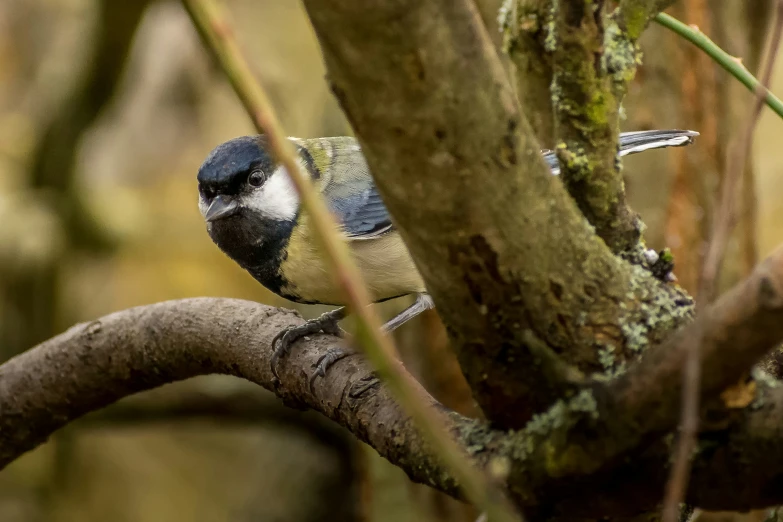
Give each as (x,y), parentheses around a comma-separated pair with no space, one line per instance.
(252,213)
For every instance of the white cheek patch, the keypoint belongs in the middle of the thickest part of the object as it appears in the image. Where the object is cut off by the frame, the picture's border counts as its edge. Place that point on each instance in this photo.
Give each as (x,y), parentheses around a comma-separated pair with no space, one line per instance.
(277,199)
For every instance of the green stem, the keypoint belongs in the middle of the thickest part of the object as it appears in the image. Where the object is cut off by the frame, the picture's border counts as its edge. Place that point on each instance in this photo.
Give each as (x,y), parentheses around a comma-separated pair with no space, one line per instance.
(216,33)
(732,64)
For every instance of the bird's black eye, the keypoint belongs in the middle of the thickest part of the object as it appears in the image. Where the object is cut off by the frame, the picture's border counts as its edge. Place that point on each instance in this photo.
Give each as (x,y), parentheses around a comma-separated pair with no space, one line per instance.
(256,178)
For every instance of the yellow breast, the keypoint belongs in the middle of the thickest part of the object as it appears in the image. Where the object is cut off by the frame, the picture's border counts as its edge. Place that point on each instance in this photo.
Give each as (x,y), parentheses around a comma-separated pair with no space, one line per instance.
(384,262)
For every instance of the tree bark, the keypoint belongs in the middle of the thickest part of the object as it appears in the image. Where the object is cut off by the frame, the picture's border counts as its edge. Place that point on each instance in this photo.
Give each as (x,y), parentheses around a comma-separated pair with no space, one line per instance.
(95,364)
(443,105)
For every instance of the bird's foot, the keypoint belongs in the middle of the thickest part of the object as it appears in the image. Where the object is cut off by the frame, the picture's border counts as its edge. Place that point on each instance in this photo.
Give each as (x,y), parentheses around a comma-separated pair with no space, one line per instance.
(326,361)
(326,323)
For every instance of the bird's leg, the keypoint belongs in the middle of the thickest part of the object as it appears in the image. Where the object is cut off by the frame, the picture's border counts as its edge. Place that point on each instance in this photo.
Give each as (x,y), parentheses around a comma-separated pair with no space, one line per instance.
(423,303)
(326,323)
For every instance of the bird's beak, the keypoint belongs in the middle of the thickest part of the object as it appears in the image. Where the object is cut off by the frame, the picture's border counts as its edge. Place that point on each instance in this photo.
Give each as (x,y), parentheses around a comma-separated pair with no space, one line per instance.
(221,207)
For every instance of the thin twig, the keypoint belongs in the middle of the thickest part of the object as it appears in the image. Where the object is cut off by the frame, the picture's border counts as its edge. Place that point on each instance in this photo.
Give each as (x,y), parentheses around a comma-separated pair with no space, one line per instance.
(208,17)
(723,226)
(730,63)
(689,425)
(726,211)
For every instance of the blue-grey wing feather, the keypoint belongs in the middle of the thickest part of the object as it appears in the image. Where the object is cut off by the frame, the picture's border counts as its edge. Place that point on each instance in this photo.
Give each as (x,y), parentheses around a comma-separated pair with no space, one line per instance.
(350,191)
(362,215)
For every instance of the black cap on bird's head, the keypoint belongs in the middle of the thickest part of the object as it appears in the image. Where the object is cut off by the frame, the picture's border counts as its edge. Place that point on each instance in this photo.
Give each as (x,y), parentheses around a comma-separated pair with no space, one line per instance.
(228,170)
(230,163)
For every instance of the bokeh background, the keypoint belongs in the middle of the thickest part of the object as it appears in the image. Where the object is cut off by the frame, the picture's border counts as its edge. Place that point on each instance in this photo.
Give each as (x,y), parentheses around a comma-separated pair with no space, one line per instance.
(108,107)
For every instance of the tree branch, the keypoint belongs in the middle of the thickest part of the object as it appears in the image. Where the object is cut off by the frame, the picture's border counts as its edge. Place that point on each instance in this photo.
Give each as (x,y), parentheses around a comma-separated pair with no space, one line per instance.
(730,337)
(588,59)
(599,429)
(92,365)
(736,466)
(499,242)
(749,455)
(524,28)
(592,65)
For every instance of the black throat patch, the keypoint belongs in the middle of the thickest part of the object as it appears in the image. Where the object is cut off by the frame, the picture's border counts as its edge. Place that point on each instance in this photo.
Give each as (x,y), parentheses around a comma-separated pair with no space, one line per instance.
(258,245)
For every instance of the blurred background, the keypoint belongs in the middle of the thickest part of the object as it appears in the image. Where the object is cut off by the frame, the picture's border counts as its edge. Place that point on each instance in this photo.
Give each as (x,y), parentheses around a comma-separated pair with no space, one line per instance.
(107,108)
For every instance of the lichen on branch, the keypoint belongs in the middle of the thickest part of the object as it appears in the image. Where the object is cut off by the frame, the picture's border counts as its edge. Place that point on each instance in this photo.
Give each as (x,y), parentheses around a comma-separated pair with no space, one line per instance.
(573,61)
(592,63)
(501,245)
(633,16)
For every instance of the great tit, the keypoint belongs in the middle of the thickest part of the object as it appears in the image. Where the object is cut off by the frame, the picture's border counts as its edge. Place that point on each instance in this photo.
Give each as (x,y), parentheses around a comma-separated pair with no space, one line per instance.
(252,213)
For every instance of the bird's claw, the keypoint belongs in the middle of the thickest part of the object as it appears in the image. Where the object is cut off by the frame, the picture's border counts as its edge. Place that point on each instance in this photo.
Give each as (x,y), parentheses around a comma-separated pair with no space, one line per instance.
(325,362)
(281,344)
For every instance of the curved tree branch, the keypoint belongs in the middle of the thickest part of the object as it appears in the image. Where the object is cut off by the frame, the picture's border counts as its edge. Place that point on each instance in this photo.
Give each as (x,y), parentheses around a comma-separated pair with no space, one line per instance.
(736,467)
(94,364)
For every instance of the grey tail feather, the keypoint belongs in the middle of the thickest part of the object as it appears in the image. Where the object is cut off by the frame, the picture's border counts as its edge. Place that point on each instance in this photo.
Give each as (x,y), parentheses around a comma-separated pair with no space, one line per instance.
(633,142)
(639,141)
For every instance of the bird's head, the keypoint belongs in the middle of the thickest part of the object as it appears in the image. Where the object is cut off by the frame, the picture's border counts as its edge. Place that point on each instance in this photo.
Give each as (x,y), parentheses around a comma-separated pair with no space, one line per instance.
(245,196)
(241,176)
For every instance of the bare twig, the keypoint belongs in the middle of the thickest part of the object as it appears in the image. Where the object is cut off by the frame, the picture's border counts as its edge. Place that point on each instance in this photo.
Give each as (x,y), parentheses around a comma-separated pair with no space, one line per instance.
(379,348)
(689,426)
(725,214)
(723,225)
(731,64)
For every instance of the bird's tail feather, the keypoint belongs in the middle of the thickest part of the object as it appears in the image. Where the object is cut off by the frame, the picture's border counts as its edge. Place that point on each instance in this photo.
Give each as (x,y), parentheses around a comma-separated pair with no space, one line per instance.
(639,141)
(633,142)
